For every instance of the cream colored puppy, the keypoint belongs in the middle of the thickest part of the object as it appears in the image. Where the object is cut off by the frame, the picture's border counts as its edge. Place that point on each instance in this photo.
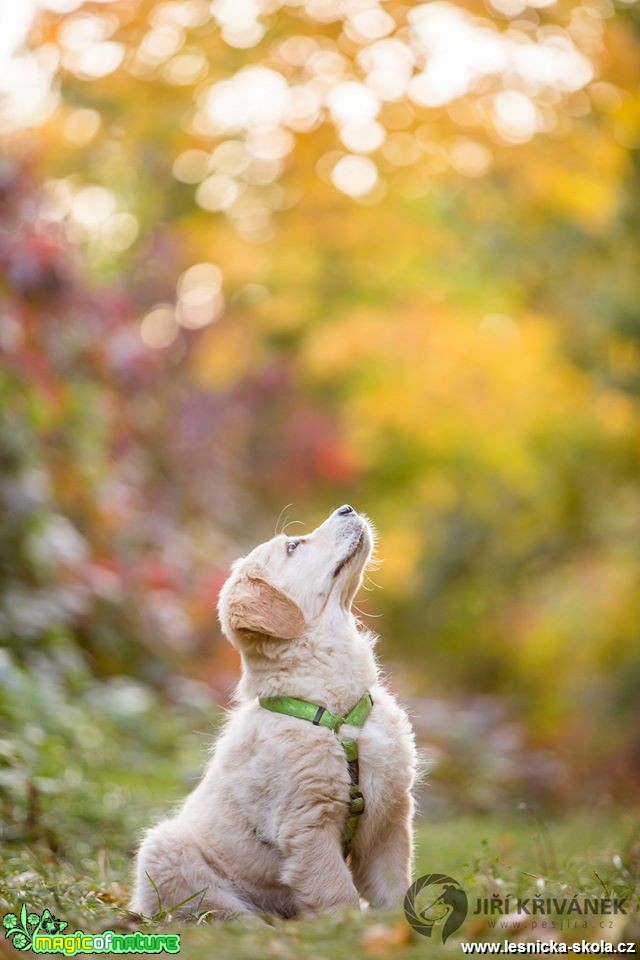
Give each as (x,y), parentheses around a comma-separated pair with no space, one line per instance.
(263,828)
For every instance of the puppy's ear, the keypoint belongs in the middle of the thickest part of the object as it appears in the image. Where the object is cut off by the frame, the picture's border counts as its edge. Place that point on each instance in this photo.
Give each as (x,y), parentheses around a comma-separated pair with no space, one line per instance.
(256,606)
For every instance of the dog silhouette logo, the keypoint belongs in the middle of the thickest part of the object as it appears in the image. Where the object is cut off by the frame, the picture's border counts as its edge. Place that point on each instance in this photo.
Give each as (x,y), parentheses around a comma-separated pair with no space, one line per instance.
(435,902)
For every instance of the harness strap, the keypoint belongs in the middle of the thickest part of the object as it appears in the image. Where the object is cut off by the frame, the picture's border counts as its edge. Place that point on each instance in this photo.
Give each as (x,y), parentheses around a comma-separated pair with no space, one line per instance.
(303,710)
(321,717)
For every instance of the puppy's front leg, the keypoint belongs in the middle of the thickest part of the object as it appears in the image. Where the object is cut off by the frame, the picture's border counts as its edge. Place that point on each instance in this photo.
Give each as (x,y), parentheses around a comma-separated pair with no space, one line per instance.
(383,872)
(315,870)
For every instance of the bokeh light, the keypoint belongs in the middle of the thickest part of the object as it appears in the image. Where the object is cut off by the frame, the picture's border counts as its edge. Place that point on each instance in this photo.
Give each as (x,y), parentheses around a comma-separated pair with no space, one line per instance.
(158,328)
(200,299)
(355,176)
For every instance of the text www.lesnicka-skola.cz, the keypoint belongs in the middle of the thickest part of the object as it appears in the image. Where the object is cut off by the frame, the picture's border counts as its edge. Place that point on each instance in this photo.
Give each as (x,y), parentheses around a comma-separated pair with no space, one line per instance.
(549,946)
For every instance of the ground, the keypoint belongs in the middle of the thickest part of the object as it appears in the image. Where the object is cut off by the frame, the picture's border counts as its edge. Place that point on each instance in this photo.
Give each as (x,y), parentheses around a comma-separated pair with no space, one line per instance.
(78,788)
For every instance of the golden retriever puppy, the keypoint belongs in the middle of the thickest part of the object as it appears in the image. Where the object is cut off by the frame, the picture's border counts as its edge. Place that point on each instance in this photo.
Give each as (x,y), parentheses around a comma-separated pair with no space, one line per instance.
(265,828)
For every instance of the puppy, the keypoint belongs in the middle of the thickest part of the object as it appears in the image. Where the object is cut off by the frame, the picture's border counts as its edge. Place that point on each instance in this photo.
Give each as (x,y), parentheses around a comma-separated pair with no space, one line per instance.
(264,829)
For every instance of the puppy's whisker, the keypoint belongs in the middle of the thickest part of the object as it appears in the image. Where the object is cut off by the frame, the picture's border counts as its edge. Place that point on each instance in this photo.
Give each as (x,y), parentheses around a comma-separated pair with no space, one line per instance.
(286,507)
(363,613)
(369,579)
(288,523)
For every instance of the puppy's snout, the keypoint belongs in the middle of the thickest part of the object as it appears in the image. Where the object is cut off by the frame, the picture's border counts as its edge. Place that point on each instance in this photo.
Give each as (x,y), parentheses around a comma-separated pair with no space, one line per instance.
(344,510)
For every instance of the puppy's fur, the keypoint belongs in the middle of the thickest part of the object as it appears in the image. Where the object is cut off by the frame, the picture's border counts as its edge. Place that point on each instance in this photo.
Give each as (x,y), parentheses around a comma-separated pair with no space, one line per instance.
(262,830)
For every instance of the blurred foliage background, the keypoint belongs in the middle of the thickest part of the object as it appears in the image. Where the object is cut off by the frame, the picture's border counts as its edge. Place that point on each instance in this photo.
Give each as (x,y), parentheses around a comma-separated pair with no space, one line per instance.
(258,253)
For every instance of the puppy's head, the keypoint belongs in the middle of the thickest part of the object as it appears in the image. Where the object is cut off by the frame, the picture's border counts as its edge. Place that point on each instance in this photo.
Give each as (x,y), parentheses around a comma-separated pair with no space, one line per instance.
(285,585)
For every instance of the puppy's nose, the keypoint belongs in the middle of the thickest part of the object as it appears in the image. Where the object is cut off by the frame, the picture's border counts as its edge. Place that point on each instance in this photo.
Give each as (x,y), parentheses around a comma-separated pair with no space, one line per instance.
(345,509)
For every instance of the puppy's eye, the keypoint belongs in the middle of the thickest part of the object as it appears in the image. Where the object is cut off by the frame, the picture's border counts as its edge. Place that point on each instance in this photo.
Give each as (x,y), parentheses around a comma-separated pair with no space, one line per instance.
(291,545)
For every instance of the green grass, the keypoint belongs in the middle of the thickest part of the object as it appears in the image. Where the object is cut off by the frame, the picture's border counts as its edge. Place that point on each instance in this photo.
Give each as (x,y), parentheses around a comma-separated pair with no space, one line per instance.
(88,887)
(79,781)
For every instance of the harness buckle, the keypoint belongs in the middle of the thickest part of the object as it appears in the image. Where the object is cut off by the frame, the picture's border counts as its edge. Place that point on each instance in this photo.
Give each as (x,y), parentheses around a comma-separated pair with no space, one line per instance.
(318,717)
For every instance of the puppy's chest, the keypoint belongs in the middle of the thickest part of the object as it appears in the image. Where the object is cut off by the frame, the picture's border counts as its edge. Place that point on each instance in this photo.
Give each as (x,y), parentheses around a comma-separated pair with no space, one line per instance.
(384,764)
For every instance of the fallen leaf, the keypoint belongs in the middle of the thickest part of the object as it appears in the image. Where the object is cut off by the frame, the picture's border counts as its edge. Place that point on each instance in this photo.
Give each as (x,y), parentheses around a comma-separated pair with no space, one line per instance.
(379,938)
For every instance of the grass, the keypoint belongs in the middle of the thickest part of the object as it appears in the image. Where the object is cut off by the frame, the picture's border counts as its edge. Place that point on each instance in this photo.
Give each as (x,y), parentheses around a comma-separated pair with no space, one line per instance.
(79,781)
(87,885)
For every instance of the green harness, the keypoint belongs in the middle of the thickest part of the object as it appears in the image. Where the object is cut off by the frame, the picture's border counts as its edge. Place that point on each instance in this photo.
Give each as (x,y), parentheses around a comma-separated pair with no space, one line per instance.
(320,717)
